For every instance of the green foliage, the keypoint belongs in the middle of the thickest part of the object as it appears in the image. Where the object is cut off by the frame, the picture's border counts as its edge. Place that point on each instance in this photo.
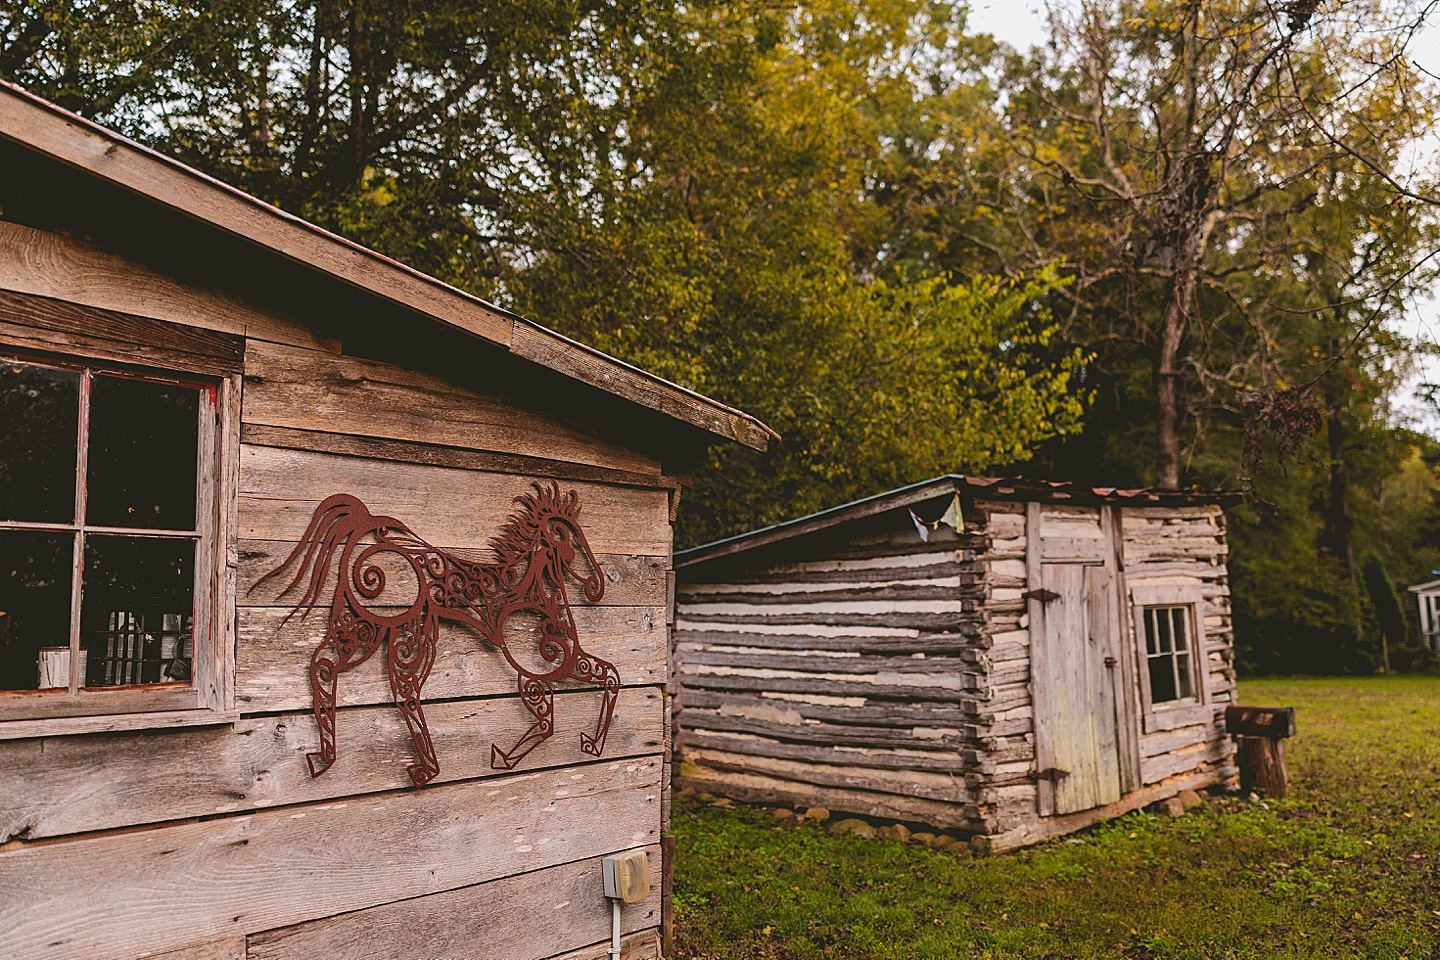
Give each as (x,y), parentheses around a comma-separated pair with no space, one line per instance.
(909,250)
(698,189)
(1344,868)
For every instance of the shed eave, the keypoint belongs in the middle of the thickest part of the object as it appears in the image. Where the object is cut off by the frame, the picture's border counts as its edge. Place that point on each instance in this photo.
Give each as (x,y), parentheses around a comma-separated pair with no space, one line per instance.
(46,129)
(980,488)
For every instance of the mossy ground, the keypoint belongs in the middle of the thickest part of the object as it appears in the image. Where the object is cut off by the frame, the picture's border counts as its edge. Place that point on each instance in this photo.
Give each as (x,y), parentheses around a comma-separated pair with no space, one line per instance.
(1349,866)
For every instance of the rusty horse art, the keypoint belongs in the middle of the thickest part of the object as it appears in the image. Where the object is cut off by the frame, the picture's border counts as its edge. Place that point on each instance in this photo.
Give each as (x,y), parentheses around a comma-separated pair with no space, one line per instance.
(525,585)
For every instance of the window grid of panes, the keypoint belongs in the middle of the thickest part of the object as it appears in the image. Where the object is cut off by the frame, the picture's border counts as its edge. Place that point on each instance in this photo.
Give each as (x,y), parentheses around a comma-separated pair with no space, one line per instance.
(99,508)
(1169,653)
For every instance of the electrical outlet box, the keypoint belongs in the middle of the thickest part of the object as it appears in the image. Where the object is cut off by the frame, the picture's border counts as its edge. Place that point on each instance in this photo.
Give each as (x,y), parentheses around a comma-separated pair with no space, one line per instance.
(627,876)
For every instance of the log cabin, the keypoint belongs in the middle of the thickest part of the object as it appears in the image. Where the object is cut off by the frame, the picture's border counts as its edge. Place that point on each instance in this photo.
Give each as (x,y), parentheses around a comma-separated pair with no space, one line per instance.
(1006,660)
(196,386)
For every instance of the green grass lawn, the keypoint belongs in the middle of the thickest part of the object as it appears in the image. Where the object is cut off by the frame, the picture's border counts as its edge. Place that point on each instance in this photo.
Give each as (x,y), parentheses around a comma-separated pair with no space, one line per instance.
(1349,866)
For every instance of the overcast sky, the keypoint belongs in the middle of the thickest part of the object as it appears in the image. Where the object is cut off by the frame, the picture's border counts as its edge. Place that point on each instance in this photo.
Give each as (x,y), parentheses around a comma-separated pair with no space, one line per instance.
(1021,23)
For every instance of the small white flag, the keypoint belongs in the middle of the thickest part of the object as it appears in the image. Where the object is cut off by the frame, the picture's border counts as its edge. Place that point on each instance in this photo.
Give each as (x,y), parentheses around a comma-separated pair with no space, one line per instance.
(920,527)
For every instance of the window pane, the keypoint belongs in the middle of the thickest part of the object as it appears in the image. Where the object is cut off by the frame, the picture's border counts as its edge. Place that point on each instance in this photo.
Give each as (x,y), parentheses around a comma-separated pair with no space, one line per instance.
(34,608)
(39,423)
(1162,679)
(143,456)
(1163,640)
(1181,625)
(137,601)
(1150,632)
(1186,674)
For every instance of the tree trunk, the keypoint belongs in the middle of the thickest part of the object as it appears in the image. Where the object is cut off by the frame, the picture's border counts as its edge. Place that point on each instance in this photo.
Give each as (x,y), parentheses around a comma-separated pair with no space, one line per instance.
(1173,321)
(358,66)
(1336,538)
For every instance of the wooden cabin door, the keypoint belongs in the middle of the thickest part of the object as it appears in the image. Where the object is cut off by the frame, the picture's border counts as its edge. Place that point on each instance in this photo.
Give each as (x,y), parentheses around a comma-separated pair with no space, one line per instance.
(1075,673)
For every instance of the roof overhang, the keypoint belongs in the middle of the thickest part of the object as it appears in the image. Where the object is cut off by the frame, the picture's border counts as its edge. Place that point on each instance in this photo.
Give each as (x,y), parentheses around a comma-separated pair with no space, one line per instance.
(941,488)
(45,129)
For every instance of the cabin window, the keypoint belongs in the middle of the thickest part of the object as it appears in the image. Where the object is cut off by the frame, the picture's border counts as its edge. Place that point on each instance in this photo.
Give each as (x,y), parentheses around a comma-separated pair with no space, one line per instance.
(1172,655)
(1169,653)
(103,498)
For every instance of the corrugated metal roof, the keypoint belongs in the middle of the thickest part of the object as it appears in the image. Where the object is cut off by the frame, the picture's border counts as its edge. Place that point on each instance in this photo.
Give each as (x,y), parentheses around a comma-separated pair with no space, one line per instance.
(989,488)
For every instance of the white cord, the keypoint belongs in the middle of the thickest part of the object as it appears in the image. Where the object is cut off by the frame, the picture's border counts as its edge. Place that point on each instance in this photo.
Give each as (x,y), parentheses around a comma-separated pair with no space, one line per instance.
(614,950)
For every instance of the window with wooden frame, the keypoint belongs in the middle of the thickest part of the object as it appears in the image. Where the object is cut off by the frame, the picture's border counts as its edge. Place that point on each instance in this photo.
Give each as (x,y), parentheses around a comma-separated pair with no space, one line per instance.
(108,546)
(1169,632)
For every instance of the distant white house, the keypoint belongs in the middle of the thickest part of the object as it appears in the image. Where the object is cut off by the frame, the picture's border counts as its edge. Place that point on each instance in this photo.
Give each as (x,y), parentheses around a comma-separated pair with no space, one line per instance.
(1429,596)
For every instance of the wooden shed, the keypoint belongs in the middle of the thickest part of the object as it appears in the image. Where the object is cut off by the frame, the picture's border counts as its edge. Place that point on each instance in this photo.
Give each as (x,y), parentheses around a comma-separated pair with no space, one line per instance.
(1004,659)
(194,387)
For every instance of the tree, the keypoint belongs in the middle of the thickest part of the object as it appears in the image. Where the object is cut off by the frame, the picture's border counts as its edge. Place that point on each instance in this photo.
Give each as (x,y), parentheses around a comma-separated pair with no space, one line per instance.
(697,188)
(1163,151)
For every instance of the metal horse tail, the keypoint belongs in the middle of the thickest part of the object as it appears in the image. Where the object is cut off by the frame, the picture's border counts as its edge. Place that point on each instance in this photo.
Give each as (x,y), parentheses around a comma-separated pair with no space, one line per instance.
(331,525)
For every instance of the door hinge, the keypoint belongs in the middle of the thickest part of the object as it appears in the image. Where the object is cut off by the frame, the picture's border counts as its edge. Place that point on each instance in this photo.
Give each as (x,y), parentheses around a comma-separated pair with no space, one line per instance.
(1111,661)
(1043,595)
(1053,774)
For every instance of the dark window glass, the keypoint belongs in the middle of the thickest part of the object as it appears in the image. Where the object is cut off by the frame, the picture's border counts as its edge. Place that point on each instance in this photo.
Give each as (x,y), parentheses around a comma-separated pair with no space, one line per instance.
(34,608)
(144,448)
(39,423)
(1167,653)
(1162,680)
(137,602)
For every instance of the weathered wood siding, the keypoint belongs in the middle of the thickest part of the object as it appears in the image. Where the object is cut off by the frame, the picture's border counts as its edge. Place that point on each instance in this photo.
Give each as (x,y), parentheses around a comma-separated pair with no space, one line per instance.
(214,841)
(1179,546)
(880,675)
(851,681)
(1187,547)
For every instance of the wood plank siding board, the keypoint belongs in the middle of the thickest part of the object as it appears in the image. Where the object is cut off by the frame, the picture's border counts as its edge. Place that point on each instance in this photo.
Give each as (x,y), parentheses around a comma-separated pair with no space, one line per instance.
(630,581)
(45,130)
(290,387)
(529,916)
(260,762)
(461,458)
(829,663)
(179,884)
(280,489)
(45,264)
(645,945)
(271,676)
(57,326)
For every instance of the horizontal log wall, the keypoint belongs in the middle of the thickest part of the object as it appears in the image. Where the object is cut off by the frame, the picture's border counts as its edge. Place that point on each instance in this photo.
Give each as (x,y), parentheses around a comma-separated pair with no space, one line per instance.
(891,678)
(214,841)
(851,681)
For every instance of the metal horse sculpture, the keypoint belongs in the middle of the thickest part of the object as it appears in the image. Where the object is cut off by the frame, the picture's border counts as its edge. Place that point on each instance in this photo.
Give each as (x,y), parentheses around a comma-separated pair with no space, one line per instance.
(534,553)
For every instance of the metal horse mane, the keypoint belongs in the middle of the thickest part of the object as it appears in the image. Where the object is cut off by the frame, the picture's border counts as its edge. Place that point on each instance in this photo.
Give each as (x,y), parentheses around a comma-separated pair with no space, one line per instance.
(534,552)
